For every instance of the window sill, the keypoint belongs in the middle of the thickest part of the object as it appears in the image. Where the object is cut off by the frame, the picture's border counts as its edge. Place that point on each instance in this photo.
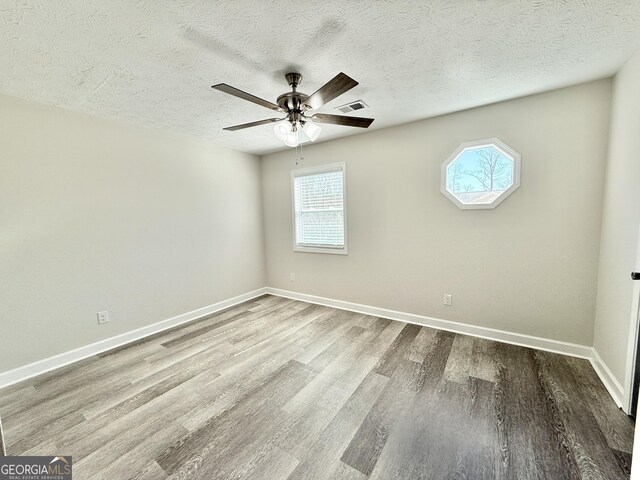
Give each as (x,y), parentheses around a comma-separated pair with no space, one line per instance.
(333,251)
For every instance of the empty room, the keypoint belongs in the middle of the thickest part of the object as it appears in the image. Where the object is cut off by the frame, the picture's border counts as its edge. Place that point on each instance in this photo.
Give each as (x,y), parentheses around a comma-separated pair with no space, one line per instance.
(307,240)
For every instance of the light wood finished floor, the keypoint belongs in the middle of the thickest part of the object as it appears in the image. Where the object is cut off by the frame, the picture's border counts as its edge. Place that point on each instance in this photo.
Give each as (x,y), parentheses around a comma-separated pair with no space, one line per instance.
(277,389)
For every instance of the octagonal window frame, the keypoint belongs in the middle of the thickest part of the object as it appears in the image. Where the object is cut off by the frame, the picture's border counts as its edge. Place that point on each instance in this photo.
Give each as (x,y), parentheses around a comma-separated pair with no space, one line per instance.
(473,145)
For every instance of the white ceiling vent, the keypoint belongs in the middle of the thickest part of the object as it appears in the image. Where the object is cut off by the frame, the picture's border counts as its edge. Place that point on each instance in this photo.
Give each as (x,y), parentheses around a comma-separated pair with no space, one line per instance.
(352,106)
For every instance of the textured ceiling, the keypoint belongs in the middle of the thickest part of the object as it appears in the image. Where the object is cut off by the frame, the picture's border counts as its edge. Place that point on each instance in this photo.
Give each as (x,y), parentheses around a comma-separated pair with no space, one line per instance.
(152,62)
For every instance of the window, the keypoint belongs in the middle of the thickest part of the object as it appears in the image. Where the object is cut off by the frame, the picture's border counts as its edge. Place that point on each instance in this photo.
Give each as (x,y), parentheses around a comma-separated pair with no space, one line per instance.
(481,174)
(319,209)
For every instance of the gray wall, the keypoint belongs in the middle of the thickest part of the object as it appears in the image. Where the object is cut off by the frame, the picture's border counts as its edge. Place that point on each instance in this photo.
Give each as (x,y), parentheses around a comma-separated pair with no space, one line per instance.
(620,222)
(529,266)
(96,215)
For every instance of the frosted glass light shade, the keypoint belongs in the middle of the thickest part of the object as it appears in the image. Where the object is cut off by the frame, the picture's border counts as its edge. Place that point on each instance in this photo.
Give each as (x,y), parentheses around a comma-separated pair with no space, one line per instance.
(282,129)
(292,139)
(311,130)
(292,135)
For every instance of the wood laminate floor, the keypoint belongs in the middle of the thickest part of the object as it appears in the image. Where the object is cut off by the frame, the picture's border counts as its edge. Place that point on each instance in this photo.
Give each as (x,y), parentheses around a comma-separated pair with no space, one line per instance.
(280,389)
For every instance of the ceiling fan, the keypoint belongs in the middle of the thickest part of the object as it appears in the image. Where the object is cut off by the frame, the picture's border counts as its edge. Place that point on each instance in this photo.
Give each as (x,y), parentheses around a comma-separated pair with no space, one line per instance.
(296,127)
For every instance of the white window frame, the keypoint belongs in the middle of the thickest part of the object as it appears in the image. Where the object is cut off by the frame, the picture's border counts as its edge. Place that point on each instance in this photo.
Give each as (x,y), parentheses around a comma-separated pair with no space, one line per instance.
(332,167)
(487,142)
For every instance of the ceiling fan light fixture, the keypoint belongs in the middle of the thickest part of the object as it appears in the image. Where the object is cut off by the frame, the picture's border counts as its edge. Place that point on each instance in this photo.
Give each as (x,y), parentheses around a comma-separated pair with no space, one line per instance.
(282,129)
(292,139)
(289,133)
(296,128)
(311,130)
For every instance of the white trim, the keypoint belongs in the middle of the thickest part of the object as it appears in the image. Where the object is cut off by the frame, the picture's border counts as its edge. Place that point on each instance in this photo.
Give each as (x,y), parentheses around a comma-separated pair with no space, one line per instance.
(3,445)
(555,346)
(612,385)
(318,249)
(565,348)
(327,168)
(630,367)
(487,142)
(42,366)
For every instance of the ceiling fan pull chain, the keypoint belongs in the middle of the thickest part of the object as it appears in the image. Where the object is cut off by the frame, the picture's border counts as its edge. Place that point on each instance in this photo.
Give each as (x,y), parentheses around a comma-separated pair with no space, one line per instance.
(298,157)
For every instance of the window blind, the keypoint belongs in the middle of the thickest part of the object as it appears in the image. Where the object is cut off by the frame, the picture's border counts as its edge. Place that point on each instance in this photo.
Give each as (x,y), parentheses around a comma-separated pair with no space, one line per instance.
(319,209)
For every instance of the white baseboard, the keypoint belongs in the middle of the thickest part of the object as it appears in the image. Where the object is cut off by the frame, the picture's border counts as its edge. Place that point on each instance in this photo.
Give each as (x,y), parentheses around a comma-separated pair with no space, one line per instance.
(612,385)
(555,346)
(564,348)
(42,366)
(582,351)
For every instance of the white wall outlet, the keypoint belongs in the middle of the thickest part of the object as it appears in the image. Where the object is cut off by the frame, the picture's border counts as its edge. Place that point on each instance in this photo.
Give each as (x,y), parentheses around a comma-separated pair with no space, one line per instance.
(447,299)
(292,276)
(103,317)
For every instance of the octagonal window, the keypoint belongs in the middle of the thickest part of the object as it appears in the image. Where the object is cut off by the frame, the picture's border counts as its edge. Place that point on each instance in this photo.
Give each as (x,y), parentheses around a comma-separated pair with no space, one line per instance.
(481,174)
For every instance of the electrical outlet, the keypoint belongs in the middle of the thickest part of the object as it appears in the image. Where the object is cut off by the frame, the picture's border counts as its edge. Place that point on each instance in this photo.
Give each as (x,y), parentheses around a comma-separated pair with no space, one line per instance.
(292,276)
(447,299)
(103,317)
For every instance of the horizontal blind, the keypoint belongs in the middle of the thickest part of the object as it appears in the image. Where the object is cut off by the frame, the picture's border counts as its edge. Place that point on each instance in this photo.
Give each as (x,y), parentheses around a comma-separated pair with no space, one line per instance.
(319,209)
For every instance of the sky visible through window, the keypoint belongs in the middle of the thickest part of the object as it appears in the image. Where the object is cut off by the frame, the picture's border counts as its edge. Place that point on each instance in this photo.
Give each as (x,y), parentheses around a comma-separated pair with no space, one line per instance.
(484,169)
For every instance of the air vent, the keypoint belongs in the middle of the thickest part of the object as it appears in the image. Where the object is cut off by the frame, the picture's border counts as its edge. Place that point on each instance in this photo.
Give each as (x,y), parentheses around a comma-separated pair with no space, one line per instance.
(350,107)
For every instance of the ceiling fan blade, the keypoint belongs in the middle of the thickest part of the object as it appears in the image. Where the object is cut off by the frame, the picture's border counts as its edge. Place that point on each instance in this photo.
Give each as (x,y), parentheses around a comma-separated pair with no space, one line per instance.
(253,124)
(223,87)
(342,120)
(335,87)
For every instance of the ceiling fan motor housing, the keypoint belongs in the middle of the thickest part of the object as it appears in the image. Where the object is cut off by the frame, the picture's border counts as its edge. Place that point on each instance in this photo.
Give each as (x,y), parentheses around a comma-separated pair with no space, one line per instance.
(292,101)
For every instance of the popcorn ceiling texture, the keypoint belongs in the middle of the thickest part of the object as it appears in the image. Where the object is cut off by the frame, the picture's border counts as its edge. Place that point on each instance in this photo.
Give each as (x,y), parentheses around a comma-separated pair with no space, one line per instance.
(152,62)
